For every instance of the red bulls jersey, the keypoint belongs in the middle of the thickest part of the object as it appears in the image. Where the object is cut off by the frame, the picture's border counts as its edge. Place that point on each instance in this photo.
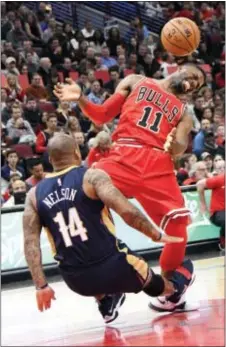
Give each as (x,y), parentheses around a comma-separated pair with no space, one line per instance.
(148,115)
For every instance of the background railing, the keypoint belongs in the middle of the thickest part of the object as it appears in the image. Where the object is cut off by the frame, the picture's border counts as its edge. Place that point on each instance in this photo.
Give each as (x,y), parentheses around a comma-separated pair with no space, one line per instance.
(100,11)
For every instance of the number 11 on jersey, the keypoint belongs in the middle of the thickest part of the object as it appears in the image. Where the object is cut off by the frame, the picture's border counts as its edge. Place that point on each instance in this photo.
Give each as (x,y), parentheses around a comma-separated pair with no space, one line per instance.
(70,230)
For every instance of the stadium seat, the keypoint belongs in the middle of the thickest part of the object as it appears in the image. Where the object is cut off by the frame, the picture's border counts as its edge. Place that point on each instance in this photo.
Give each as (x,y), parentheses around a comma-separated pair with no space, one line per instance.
(102,75)
(24,151)
(3,81)
(47,107)
(74,76)
(23,81)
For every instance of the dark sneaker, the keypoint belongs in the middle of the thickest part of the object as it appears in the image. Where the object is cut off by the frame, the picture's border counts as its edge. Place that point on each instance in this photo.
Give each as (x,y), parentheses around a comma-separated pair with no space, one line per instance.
(182,278)
(109,305)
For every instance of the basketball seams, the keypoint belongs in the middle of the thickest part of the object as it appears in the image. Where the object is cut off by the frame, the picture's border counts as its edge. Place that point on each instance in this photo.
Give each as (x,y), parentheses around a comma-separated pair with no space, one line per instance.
(186,51)
(176,27)
(197,34)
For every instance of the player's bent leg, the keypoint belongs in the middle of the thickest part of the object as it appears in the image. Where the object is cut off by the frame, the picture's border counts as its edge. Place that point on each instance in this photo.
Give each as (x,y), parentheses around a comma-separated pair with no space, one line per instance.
(173,254)
(109,306)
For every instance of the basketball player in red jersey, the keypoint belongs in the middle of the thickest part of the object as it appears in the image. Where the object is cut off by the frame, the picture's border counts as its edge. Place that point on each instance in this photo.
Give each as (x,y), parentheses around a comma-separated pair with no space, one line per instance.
(140,162)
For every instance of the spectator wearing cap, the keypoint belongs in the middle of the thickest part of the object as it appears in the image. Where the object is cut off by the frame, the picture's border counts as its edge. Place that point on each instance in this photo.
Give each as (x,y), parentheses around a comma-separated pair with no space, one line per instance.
(19,192)
(217,202)
(101,148)
(37,173)
(199,140)
(17,35)
(36,90)
(12,166)
(198,172)
(11,67)
(208,159)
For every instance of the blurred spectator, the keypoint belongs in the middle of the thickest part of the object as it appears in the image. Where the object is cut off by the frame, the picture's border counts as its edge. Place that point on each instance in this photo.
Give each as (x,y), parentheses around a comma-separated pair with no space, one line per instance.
(186,164)
(66,67)
(19,191)
(36,90)
(3,98)
(98,40)
(11,67)
(208,114)
(72,126)
(54,51)
(7,110)
(63,113)
(45,135)
(114,80)
(17,35)
(218,165)
(96,95)
(45,70)
(199,140)
(217,203)
(32,113)
(37,173)
(133,65)
(13,89)
(114,39)
(167,61)
(8,25)
(28,49)
(49,32)
(106,60)
(32,28)
(80,140)
(69,32)
(88,31)
(94,130)
(101,148)
(220,77)
(208,159)
(12,166)
(198,172)
(54,79)
(220,135)
(20,131)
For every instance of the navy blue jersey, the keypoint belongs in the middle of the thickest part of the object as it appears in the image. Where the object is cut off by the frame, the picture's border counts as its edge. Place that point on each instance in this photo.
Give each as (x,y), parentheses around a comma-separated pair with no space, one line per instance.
(80,230)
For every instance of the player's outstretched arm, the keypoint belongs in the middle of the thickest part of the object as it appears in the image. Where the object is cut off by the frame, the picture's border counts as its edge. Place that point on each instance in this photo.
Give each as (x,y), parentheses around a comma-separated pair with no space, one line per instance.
(99,114)
(98,185)
(32,250)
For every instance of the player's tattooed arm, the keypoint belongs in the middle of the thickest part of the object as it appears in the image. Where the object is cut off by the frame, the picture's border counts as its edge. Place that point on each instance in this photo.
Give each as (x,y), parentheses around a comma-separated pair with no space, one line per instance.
(32,231)
(97,184)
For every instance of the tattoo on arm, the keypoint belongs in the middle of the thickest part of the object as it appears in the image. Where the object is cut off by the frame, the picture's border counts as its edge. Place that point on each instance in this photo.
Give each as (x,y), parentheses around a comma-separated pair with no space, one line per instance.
(32,250)
(115,200)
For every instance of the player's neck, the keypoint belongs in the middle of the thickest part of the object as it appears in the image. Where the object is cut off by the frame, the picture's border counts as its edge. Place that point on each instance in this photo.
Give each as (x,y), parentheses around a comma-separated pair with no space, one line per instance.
(65,165)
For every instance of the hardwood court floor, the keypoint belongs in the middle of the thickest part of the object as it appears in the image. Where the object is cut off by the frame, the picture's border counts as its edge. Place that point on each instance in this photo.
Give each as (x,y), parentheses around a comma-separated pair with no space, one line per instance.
(75,321)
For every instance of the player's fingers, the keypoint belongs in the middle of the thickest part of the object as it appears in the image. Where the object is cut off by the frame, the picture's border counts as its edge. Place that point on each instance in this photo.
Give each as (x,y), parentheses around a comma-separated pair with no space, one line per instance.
(69,81)
(39,303)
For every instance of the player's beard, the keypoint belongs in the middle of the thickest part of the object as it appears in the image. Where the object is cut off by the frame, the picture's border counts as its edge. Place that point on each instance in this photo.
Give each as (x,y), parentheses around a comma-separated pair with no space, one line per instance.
(177,86)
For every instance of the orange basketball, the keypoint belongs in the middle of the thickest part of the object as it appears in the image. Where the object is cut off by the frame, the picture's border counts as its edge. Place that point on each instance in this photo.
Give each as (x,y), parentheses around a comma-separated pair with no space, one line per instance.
(180,36)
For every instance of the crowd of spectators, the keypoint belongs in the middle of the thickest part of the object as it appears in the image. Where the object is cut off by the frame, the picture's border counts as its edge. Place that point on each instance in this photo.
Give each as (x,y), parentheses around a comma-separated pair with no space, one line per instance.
(38,52)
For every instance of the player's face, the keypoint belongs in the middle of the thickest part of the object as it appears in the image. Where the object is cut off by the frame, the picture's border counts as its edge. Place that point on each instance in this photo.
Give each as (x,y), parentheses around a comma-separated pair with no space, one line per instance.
(188,79)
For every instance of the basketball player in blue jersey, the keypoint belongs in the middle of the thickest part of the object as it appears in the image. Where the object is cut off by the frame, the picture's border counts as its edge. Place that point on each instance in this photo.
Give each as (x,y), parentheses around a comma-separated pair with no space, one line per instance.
(73,205)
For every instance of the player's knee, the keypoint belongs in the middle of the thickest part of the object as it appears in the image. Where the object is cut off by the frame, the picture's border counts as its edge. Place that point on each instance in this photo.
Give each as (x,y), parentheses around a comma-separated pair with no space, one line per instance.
(156,285)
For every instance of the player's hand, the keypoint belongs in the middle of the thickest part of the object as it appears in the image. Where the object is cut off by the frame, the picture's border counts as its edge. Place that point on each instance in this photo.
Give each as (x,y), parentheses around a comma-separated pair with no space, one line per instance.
(168,239)
(44,297)
(170,140)
(67,92)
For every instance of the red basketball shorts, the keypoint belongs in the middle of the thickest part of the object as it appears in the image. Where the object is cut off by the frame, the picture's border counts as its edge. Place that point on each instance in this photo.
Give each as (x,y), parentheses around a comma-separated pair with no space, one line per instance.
(146,174)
